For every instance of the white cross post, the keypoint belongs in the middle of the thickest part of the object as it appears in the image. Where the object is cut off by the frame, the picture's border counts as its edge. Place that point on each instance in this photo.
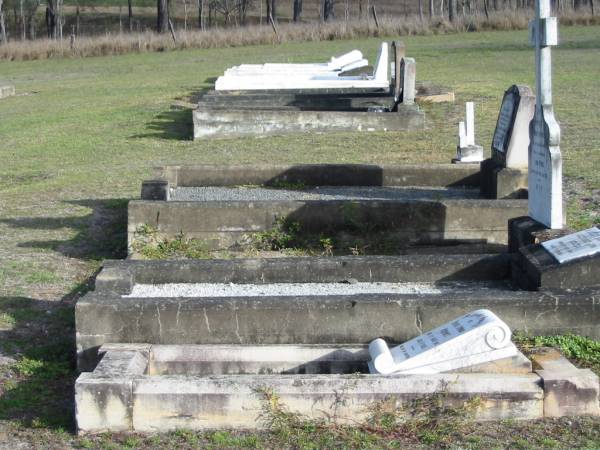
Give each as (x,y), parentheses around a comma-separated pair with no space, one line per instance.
(545,161)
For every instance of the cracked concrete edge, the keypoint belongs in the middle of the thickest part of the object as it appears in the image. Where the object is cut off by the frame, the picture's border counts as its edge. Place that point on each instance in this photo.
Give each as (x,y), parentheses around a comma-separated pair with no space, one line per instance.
(568,390)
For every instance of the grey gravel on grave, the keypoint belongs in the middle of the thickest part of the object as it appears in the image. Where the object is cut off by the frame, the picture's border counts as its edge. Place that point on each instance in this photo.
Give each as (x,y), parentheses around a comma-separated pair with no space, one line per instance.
(174,290)
(218,193)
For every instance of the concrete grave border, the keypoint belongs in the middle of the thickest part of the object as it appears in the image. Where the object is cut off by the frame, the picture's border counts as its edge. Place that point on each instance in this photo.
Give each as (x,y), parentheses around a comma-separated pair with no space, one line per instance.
(226,223)
(104,315)
(122,394)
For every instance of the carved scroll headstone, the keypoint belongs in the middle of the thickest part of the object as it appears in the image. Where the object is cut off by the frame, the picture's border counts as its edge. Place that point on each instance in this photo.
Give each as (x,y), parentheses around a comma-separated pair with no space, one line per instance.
(471,339)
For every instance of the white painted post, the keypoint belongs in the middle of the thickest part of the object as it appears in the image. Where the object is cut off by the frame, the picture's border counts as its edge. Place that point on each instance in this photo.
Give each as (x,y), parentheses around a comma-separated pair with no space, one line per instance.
(470,130)
(545,161)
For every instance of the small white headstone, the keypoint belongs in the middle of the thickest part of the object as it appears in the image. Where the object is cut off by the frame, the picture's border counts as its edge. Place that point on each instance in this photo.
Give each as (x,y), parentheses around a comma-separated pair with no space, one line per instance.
(510,143)
(545,161)
(474,338)
(574,246)
(467,151)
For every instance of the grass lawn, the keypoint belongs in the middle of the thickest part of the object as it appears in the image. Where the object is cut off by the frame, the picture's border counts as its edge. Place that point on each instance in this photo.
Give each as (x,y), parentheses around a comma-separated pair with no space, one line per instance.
(81,134)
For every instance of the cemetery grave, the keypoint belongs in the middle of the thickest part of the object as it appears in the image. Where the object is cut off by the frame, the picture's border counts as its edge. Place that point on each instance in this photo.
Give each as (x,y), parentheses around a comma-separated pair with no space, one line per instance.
(174,344)
(257,100)
(6,90)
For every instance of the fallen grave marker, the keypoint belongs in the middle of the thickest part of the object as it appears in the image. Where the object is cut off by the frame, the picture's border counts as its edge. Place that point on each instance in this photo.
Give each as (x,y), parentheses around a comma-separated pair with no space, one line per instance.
(474,338)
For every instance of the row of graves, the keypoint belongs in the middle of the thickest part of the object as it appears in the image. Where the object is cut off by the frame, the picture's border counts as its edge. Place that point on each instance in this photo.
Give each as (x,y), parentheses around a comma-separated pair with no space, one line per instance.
(343,94)
(196,344)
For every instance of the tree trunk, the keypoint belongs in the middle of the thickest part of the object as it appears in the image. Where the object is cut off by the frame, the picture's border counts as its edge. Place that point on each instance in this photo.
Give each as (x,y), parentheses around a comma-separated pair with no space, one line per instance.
(591,6)
(162,16)
(421,10)
(201,14)
(50,20)
(129,15)
(2,25)
(485,9)
(451,10)
(327,10)
(431,11)
(297,10)
(22,21)
(274,10)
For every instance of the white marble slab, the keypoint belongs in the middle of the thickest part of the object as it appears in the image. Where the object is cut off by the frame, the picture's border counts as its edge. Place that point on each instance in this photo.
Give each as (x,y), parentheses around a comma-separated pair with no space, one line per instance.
(307,80)
(335,63)
(266,70)
(471,339)
(575,245)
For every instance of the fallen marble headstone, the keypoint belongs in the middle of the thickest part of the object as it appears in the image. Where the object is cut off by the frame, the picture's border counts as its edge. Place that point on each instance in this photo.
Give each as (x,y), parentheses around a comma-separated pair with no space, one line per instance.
(474,338)
(310,80)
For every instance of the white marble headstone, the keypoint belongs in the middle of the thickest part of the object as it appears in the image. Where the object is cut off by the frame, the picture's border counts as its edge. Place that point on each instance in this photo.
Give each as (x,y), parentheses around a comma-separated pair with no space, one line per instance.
(474,338)
(575,245)
(467,151)
(545,161)
(510,143)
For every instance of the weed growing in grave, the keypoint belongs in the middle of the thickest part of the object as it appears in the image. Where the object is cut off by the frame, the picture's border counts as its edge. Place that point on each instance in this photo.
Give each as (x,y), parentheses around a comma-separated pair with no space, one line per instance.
(429,420)
(327,244)
(582,350)
(147,244)
(283,235)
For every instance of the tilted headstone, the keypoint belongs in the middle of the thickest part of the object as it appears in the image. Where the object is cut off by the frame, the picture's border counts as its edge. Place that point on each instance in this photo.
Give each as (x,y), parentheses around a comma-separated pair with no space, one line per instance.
(467,151)
(510,143)
(474,338)
(545,161)
(574,246)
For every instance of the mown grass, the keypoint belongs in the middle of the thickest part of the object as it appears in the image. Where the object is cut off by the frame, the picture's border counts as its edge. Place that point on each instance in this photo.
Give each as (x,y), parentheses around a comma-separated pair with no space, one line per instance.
(82,134)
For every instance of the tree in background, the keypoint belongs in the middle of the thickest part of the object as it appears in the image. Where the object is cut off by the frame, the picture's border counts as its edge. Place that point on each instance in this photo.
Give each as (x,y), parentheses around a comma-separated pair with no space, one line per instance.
(2,26)
(271,10)
(297,10)
(328,12)
(162,16)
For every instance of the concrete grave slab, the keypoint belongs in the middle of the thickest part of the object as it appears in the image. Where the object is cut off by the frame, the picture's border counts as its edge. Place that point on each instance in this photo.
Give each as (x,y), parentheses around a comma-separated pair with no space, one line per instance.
(220,123)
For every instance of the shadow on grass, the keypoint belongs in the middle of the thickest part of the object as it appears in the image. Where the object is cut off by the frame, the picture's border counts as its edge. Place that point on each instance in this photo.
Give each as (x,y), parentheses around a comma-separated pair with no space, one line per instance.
(174,124)
(100,235)
(37,337)
(37,386)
